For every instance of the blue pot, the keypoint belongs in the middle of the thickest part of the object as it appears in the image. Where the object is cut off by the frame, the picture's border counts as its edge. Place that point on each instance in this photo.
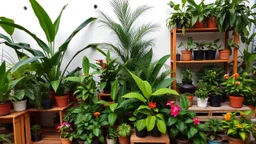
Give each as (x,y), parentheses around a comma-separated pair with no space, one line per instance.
(214,142)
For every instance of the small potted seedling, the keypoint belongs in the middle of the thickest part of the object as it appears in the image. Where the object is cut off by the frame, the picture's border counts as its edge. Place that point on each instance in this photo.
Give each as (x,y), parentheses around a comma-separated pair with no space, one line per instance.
(213,125)
(124,132)
(36,133)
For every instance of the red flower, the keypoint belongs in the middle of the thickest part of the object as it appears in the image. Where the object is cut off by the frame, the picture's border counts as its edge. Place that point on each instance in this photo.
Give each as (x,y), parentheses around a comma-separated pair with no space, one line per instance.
(226,76)
(235,75)
(100,60)
(96,114)
(237,83)
(196,121)
(152,105)
(103,66)
(170,103)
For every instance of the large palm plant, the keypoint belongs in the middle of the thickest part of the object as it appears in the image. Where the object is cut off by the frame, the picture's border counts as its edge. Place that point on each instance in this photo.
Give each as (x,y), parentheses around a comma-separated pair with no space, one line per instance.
(132,44)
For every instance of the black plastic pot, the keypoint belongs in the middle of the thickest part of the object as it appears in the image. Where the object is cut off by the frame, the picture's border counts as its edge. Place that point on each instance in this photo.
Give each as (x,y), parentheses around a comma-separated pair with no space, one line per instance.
(187,87)
(224,97)
(210,54)
(178,57)
(215,100)
(95,141)
(155,132)
(178,23)
(107,88)
(47,104)
(198,54)
(36,136)
(143,133)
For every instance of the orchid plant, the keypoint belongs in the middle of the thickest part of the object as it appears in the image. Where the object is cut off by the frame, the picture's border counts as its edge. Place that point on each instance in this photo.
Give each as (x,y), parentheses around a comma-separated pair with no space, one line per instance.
(183,123)
(65,130)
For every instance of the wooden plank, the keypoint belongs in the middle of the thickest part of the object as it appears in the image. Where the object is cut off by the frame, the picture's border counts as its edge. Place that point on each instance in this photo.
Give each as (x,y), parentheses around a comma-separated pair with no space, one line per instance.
(199,30)
(49,136)
(13,114)
(149,139)
(55,109)
(204,61)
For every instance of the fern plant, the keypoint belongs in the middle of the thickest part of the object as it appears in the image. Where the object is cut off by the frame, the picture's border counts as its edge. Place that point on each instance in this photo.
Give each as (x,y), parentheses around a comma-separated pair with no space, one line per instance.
(6,138)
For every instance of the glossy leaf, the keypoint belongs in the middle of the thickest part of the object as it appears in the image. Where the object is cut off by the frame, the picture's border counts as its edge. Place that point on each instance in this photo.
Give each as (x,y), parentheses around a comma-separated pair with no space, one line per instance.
(86,65)
(57,21)
(113,106)
(171,121)
(112,118)
(7,29)
(192,132)
(161,126)
(159,65)
(140,124)
(55,85)
(114,90)
(184,102)
(24,62)
(163,91)
(135,96)
(150,122)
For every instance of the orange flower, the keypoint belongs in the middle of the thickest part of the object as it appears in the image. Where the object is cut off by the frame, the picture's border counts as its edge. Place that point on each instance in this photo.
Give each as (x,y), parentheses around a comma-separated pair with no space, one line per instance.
(152,104)
(242,114)
(96,114)
(226,76)
(227,116)
(235,75)
(237,83)
(239,125)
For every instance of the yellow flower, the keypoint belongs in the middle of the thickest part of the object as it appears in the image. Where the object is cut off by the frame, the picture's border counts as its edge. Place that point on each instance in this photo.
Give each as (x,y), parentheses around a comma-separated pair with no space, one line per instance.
(239,125)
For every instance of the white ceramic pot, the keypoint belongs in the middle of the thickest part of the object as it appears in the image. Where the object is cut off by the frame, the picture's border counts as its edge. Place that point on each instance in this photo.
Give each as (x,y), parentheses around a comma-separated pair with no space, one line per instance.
(111,141)
(202,102)
(20,105)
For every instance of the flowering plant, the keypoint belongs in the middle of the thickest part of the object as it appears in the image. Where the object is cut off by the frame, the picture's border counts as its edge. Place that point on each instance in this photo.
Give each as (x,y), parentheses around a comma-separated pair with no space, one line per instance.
(237,85)
(183,123)
(237,127)
(65,130)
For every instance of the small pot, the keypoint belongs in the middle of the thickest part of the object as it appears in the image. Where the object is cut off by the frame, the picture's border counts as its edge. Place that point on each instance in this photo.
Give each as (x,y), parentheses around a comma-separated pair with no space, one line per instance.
(187,87)
(218,140)
(181,141)
(224,54)
(202,102)
(141,134)
(124,140)
(235,141)
(111,141)
(178,23)
(5,108)
(20,105)
(190,98)
(155,132)
(210,54)
(236,101)
(178,57)
(47,104)
(215,100)
(198,54)
(36,136)
(212,22)
(199,24)
(61,101)
(65,141)
(186,55)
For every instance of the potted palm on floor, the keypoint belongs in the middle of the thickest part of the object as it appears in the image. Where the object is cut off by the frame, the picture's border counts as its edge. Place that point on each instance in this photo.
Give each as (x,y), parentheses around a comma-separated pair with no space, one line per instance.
(124,132)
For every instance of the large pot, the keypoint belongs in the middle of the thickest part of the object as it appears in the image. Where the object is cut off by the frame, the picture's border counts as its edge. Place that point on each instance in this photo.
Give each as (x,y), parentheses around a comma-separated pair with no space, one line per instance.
(210,54)
(155,132)
(47,104)
(61,101)
(141,134)
(65,141)
(202,102)
(124,140)
(187,87)
(224,54)
(20,105)
(236,101)
(212,22)
(199,24)
(235,141)
(198,54)
(215,100)
(5,108)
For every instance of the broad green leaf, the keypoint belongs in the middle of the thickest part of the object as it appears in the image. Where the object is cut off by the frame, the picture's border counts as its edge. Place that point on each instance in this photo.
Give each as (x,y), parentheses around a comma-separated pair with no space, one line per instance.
(148,89)
(230,131)
(114,90)
(159,65)
(135,96)
(163,91)
(55,85)
(96,132)
(184,102)
(15,82)
(180,126)
(7,29)
(160,116)
(150,122)
(192,132)
(165,83)
(57,21)
(24,62)
(86,65)
(242,135)
(20,94)
(161,126)
(73,79)
(112,118)
(140,124)
(113,106)
(2,36)
(132,119)
(171,121)
(44,20)
(143,107)
(173,132)
(203,136)
(103,102)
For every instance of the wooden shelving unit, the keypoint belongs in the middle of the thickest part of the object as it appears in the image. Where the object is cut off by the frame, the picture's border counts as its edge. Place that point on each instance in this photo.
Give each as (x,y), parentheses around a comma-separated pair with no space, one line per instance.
(173,46)
(149,139)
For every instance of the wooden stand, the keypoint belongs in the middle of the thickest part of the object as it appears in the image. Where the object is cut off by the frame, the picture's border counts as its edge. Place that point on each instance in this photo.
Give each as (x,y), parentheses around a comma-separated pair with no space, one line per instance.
(149,139)
(21,123)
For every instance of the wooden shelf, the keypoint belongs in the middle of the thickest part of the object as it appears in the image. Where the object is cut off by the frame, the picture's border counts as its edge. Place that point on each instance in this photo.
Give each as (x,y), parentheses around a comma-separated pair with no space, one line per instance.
(150,139)
(199,30)
(49,136)
(204,61)
(54,109)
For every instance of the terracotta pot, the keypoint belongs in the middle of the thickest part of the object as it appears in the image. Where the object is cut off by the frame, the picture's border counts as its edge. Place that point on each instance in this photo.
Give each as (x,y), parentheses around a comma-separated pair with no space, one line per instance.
(124,140)
(190,98)
(61,101)
(224,54)
(236,101)
(65,141)
(186,55)
(5,108)
(234,141)
(212,22)
(199,24)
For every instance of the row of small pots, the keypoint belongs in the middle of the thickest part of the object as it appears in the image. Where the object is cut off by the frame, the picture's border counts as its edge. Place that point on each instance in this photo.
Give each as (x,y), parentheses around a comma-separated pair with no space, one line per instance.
(199,55)
(211,23)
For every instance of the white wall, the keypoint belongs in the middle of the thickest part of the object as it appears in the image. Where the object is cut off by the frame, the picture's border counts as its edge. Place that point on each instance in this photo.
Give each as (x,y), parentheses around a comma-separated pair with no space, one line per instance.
(79,10)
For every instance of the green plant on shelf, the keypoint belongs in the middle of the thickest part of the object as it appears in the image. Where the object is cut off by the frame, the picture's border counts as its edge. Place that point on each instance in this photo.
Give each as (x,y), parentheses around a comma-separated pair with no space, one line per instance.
(190,44)
(214,46)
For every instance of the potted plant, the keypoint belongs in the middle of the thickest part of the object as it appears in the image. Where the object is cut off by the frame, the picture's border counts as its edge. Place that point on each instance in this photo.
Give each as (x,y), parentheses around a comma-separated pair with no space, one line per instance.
(213,126)
(215,95)
(36,133)
(202,94)
(187,86)
(198,13)
(5,138)
(199,53)
(7,84)
(236,87)
(147,115)
(212,10)
(47,102)
(187,53)
(238,128)
(180,18)
(124,132)
(225,53)
(178,55)
(190,97)
(183,124)
(212,75)
(211,50)
(253,130)
(65,130)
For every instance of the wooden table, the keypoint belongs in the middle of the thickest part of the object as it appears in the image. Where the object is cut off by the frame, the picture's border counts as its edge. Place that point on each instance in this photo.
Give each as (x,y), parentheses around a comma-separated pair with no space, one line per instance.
(149,139)
(20,120)
(55,109)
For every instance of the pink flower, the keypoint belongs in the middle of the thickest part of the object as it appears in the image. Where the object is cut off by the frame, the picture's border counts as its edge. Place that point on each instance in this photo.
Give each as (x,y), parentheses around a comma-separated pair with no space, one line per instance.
(196,121)
(152,105)
(170,103)
(100,60)
(175,110)
(66,124)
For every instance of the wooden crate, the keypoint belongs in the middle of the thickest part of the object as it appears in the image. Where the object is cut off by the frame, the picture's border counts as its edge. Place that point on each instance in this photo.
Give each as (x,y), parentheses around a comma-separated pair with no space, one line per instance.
(149,139)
